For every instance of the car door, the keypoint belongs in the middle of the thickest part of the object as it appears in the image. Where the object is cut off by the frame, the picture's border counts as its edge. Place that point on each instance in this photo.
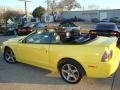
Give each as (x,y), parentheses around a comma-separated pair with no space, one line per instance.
(35,49)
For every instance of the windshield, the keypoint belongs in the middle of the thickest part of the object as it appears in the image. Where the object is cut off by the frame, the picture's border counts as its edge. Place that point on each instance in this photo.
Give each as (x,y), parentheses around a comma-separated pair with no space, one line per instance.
(68,24)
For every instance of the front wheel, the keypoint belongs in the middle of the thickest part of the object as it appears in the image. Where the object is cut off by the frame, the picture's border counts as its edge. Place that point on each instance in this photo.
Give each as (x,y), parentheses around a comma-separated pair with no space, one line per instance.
(71,72)
(9,56)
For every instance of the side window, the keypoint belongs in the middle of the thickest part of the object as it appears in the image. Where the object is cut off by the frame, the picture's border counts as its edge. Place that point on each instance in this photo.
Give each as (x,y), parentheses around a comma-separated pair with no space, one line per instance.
(65,25)
(39,38)
(72,25)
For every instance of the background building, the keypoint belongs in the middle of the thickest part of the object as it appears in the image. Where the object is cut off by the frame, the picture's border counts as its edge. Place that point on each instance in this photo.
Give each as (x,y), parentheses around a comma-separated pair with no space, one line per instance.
(88,15)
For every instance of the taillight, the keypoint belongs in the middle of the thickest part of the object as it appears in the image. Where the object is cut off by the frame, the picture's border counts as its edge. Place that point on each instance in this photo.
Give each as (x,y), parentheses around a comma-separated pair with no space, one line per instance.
(114,33)
(62,29)
(107,55)
(104,33)
(30,29)
(92,33)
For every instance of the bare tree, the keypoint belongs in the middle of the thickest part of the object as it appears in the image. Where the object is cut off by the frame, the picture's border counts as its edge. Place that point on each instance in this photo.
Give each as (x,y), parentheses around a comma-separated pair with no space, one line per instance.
(2,10)
(52,7)
(10,14)
(51,4)
(69,4)
(61,5)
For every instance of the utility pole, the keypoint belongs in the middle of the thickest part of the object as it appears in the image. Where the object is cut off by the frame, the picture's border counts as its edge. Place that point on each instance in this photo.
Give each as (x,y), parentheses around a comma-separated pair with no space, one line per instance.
(47,6)
(25,1)
(48,3)
(26,11)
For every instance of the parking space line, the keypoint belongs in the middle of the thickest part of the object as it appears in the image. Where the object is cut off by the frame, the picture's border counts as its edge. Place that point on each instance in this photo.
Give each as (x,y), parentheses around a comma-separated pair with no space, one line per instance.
(113,81)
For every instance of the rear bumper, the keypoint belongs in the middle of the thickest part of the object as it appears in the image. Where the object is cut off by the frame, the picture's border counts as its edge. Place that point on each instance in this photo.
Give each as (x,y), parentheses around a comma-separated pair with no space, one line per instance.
(23,33)
(103,69)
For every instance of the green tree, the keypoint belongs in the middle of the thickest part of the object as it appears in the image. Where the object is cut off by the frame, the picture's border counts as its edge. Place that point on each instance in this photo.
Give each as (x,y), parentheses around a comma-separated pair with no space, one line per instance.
(38,12)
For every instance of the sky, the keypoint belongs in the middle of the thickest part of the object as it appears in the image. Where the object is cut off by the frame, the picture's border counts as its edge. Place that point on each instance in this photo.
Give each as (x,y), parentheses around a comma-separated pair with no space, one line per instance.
(104,4)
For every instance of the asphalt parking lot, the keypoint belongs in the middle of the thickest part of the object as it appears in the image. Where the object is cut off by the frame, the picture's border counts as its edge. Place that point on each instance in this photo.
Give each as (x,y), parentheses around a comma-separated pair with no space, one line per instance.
(25,77)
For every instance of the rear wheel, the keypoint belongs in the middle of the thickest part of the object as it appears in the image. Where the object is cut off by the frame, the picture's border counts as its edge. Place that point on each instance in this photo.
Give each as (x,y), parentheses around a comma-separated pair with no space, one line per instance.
(71,72)
(9,56)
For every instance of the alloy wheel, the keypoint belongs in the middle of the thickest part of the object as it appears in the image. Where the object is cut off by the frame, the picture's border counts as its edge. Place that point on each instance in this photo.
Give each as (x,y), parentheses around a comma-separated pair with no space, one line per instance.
(70,73)
(9,56)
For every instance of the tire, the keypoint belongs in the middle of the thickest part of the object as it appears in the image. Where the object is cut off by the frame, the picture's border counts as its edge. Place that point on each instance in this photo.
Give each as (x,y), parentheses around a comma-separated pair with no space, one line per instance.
(9,56)
(71,71)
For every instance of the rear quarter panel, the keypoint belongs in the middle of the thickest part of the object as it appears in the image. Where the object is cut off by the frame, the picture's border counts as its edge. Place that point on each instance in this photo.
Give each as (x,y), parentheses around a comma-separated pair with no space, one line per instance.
(84,54)
(89,56)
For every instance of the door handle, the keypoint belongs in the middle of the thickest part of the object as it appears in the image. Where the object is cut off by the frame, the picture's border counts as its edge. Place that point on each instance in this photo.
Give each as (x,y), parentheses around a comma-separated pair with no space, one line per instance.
(43,49)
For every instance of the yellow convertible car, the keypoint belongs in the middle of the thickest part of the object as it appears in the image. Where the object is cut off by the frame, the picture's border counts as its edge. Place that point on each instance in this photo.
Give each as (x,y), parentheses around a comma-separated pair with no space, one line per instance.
(93,56)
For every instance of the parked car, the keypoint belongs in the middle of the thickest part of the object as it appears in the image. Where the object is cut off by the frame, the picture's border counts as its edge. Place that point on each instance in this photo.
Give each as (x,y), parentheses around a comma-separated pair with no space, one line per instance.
(95,20)
(96,57)
(74,19)
(1,28)
(9,29)
(67,27)
(26,29)
(105,20)
(115,19)
(106,28)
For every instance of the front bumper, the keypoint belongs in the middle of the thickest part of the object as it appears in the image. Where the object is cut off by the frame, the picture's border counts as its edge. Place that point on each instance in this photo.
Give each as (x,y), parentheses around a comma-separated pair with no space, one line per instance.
(2,49)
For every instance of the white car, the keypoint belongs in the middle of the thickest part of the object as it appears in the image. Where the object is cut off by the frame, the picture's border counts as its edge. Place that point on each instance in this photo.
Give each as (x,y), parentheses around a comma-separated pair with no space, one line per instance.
(68,26)
(66,29)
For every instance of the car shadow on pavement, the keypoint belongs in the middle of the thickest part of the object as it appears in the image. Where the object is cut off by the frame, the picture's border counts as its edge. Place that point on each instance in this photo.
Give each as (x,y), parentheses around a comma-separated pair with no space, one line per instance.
(22,73)
(116,82)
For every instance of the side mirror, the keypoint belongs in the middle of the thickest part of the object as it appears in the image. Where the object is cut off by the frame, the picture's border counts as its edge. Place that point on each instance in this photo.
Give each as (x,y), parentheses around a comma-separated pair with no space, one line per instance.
(22,40)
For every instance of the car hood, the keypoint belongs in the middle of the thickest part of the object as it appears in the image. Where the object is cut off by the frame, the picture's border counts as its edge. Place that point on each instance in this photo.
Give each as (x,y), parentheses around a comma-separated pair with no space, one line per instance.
(16,39)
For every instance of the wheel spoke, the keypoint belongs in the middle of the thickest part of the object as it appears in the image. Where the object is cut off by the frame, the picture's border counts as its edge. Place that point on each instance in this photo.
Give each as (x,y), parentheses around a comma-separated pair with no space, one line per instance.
(12,59)
(74,77)
(75,71)
(65,71)
(68,66)
(8,54)
(68,77)
(8,58)
(12,55)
